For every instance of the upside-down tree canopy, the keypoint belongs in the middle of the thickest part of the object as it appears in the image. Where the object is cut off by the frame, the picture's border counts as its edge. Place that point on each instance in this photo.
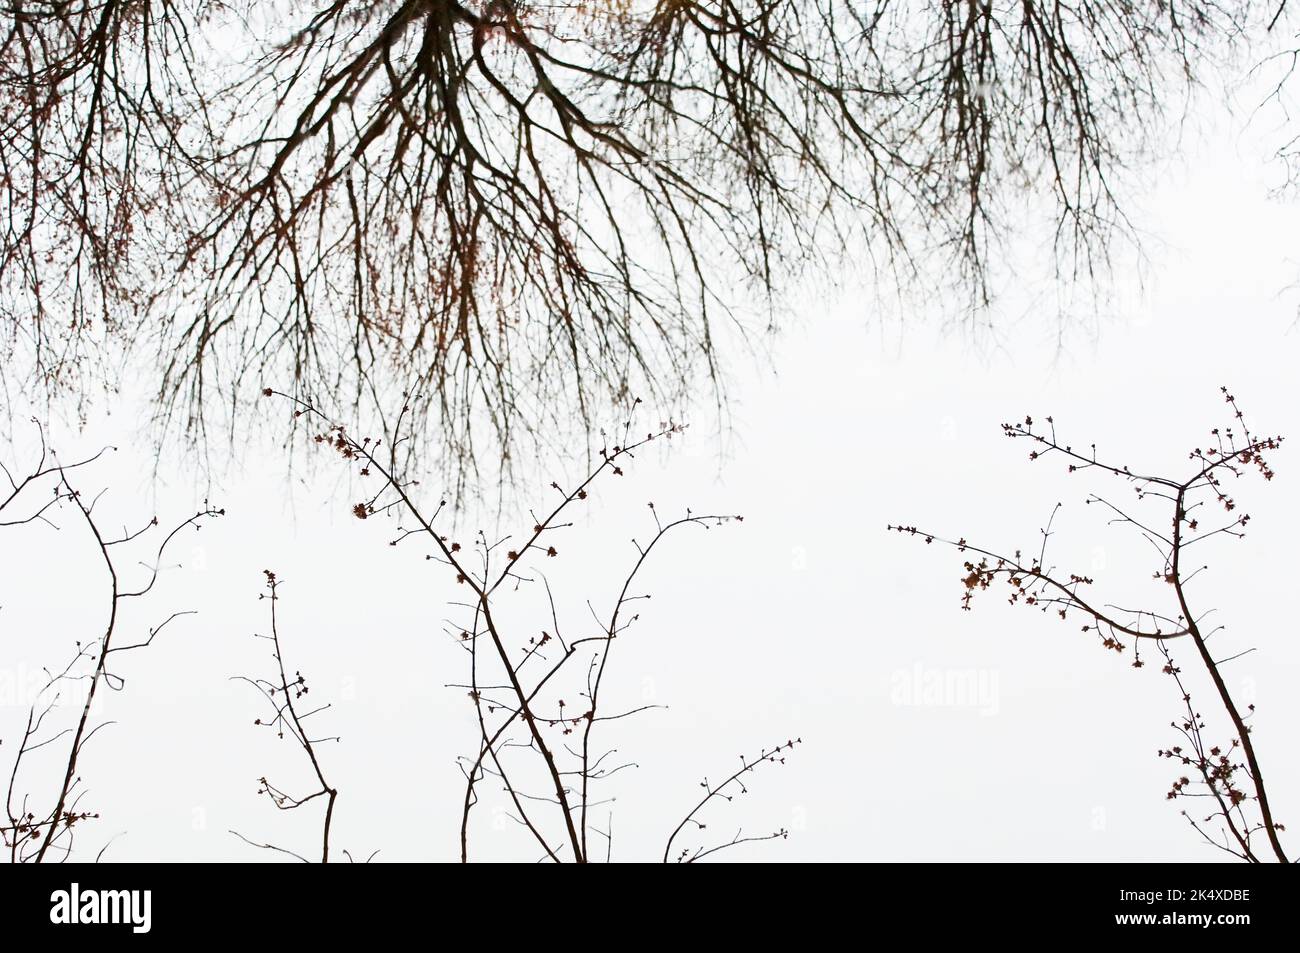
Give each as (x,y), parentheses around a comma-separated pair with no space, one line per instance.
(514,211)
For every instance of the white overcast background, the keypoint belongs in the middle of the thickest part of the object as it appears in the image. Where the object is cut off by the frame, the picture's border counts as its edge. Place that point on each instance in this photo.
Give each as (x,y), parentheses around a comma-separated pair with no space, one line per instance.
(807,620)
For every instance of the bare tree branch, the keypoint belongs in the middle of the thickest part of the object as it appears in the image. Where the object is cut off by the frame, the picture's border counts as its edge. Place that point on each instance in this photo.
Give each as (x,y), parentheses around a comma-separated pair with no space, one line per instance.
(1233,451)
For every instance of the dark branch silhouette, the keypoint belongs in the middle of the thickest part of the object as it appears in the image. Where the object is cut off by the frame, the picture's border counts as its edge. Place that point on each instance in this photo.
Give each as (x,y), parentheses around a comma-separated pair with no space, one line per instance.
(286,695)
(1186,504)
(32,833)
(541,750)
(523,212)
